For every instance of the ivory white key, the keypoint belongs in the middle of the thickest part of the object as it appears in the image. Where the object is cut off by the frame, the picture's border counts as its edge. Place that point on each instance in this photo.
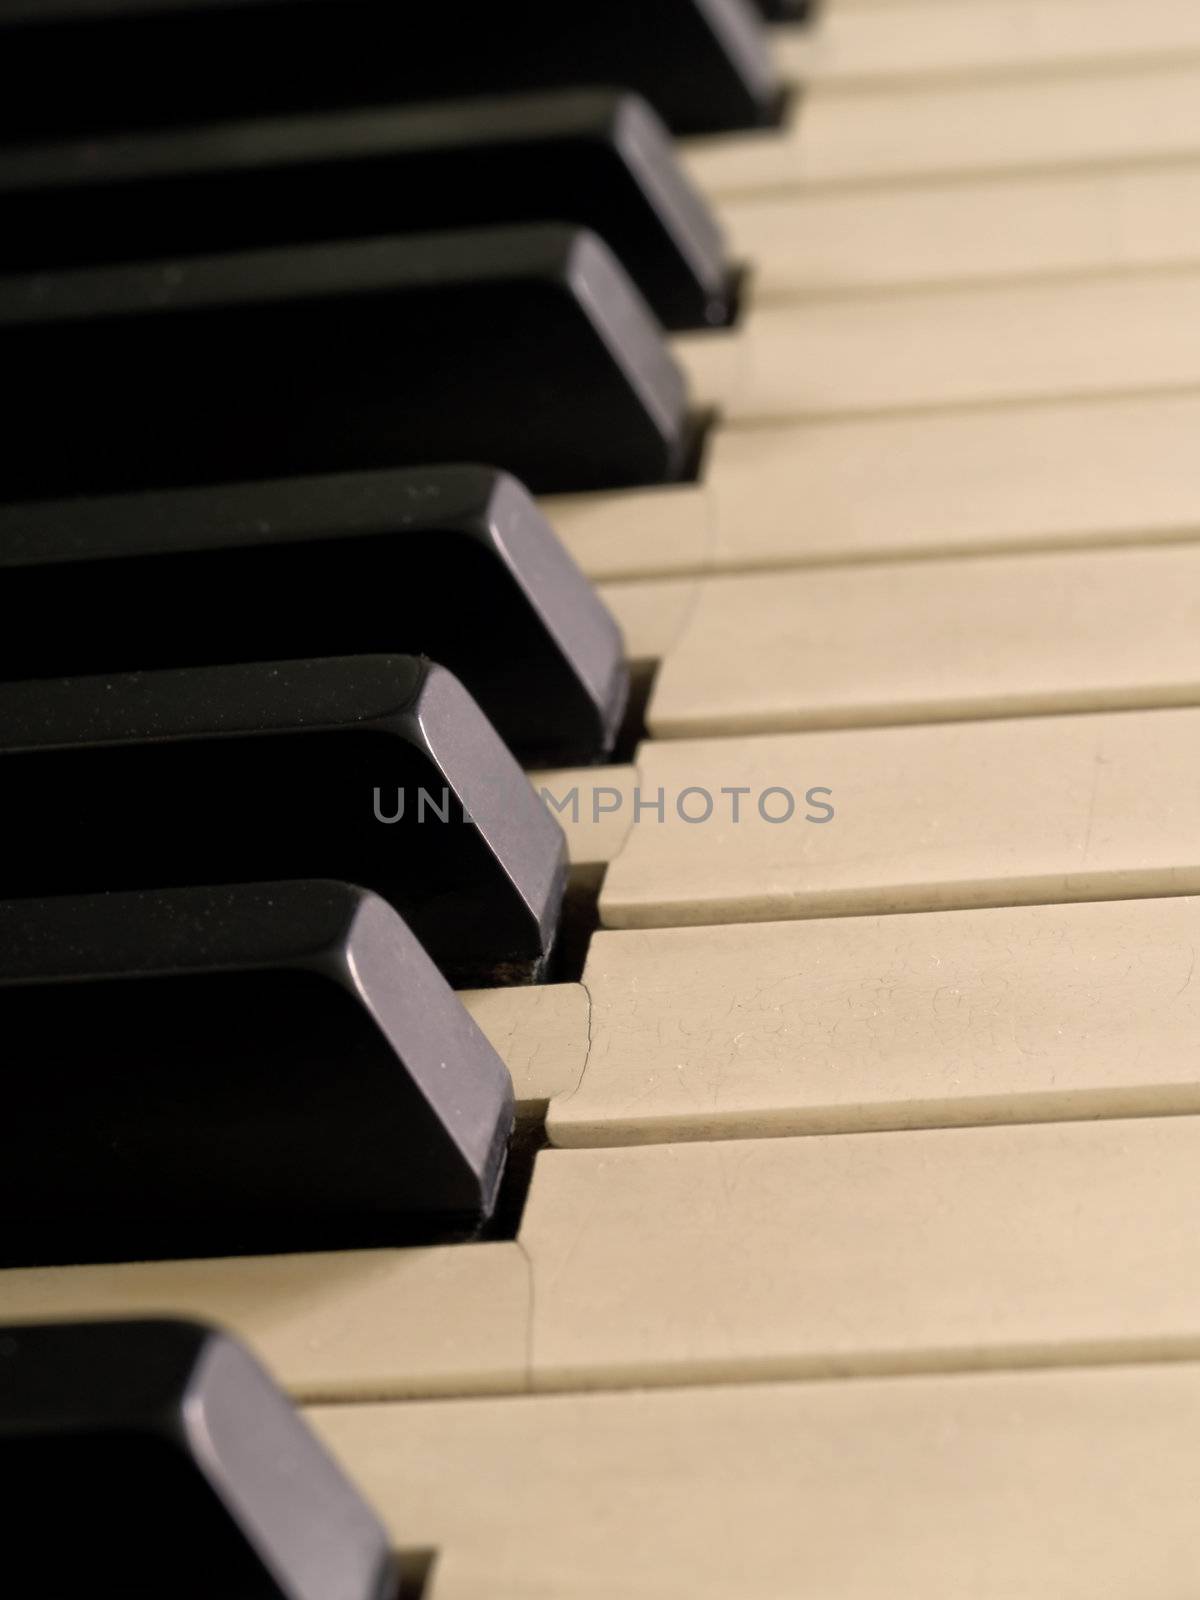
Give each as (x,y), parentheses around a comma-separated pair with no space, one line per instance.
(1016,1014)
(953,347)
(349,1325)
(653,616)
(1069,1485)
(1011,1014)
(741,1260)
(945,815)
(540,1033)
(595,807)
(933,641)
(975,482)
(925,38)
(921,130)
(637,532)
(995,228)
(862,1253)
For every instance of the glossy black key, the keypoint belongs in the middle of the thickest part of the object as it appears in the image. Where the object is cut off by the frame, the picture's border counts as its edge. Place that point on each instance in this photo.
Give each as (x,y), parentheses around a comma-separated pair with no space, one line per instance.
(232,1070)
(456,563)
(67,65)
(158,1458)
(341,768)
(596,158)
(528,348)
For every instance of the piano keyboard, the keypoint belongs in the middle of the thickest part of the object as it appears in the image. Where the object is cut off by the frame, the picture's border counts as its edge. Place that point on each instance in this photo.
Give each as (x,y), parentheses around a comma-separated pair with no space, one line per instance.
(729,479)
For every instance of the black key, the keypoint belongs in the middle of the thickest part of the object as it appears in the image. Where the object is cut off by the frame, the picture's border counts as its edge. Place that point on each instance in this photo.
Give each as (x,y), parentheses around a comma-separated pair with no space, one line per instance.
(525,347)
(338,768)
(596,159)
(158,1458)
(233,1070)
(456,563)
(67,65)
(788,10)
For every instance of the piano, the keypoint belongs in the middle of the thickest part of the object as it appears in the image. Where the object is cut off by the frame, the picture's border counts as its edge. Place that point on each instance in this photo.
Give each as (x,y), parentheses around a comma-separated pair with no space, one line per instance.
(600,786)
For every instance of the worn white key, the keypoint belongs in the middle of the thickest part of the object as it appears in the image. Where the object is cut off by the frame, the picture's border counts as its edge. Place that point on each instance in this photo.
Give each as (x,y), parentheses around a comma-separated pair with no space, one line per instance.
(953,347)
(933,641)
(540,1032)
(1046,1486)
(926,130)
(927,1019)
(594,806)
(968,483)
(943,1018)
(827,1256)
(915,39)
(1026,811)
(737,1260)
(820,242)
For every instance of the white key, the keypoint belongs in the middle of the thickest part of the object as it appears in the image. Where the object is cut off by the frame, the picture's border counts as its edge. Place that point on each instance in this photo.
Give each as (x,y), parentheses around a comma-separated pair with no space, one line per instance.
(932,641)
(820,242)
(1065,339)
(653,615)
(636,532)
(349,1325)
(594,806)
(1044,1486)
(968,483)
(941,1018)
(915,39)
(540,1032)
(889,134)
(1036,810)
(739,1260)
(864,1253)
